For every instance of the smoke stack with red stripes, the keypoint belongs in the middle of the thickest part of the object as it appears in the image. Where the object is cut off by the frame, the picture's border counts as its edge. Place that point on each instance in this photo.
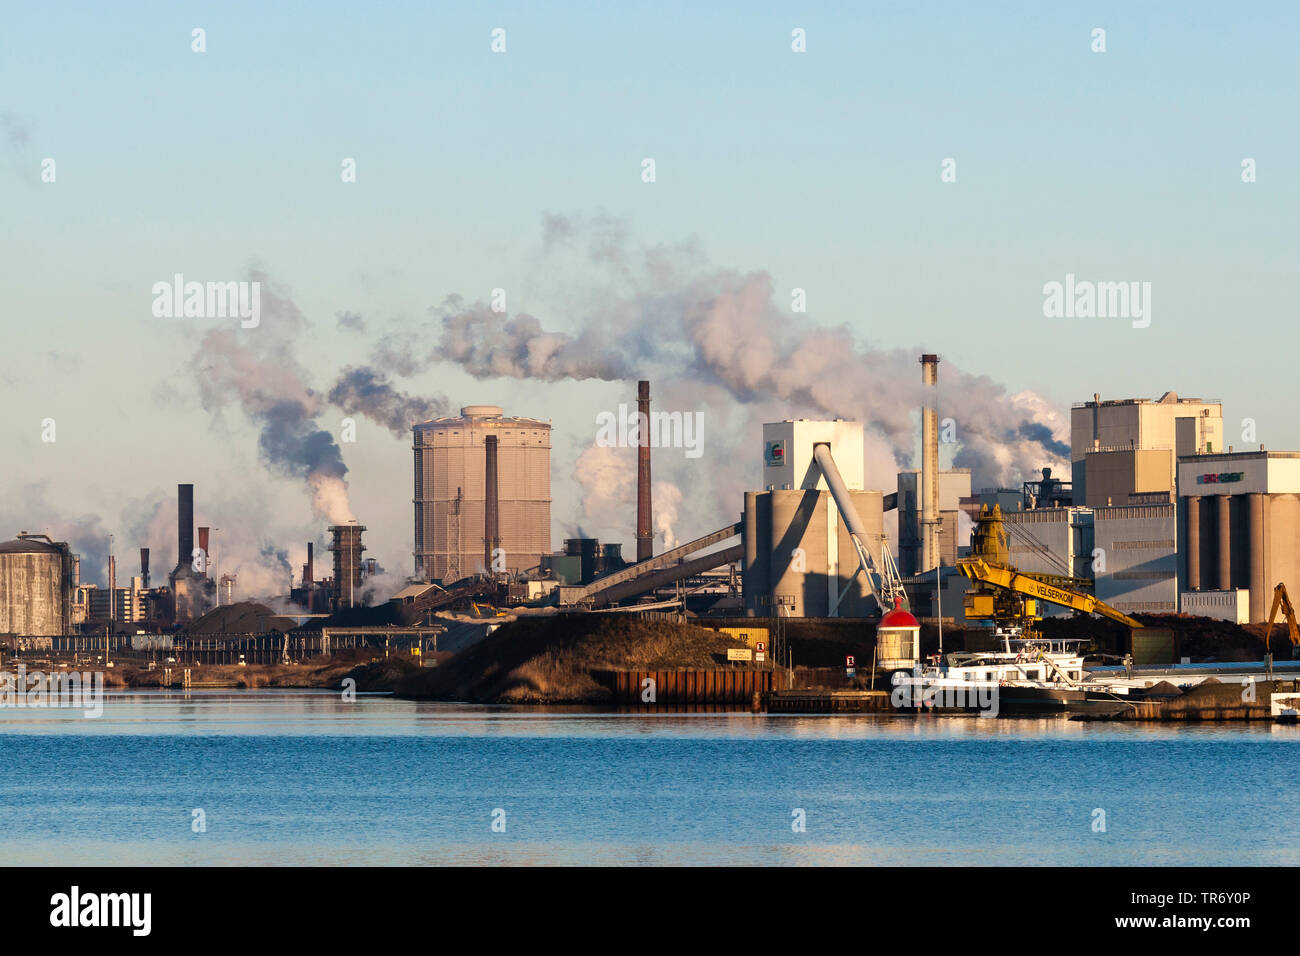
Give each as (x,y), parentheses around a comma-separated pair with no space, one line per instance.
(203,546)
(645,541)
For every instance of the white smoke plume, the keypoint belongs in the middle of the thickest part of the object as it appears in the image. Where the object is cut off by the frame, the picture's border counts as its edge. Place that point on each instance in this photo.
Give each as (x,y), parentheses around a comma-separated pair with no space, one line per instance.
(607,477)
(487,344)
(666,313)
(667,497)
(718,338)
(258,370)
(367,391)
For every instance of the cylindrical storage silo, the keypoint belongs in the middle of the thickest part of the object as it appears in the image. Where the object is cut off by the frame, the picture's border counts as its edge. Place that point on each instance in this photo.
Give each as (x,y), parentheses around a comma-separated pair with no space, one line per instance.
(35,598)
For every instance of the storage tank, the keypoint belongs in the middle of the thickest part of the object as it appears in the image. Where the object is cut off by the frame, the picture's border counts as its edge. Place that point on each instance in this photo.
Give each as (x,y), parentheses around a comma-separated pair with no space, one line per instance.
(35,587)
(451,491)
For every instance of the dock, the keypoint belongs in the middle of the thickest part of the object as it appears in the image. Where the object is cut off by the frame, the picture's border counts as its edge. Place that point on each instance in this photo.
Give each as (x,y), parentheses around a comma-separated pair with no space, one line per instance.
(817,701)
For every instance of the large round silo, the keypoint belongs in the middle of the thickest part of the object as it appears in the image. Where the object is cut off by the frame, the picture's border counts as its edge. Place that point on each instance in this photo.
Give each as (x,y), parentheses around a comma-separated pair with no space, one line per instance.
(451,492)
(34,587)
(798,562)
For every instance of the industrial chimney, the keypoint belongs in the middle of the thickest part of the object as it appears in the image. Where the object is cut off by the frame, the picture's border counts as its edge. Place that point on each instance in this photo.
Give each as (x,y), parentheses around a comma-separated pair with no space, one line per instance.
(203,546)
(347,548)
(112,589)
(491,517)
(929,464)
(184,525)
(645,542)
(309,569)
(144,568)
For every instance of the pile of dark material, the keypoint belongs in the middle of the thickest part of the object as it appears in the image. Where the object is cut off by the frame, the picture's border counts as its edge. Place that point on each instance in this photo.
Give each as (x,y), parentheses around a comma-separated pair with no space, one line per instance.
(379,616)
(246,617)
(553,659)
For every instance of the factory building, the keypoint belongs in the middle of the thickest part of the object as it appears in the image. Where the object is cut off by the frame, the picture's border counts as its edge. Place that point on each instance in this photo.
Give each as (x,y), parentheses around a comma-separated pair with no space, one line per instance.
(799,559)
(128,605)
(1056,541)
(38,579)
(1239,519)
(583,560)
(954,488)
(451,493)
(1124,451)
(1135,562)
(1129,552)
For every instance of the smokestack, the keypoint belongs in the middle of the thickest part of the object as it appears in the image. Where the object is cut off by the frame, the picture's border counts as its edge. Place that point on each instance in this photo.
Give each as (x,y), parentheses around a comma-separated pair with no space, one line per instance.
(491,518)
(929,464)
(184,525)
(112,589)
(347,548)
(309,569)
(203,546)
(144,568)
(645,541)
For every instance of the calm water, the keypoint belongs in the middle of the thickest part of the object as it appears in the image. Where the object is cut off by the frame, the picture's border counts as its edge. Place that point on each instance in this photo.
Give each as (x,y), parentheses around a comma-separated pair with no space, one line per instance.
(299,777)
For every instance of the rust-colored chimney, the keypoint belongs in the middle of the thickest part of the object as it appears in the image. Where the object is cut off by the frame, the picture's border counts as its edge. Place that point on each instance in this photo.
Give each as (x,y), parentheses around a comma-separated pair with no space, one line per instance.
(645,541)
(203,546)
(491,517)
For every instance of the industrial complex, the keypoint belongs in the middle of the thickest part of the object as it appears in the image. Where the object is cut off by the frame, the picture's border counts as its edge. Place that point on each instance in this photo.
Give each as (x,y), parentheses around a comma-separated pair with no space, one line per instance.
(1158,516)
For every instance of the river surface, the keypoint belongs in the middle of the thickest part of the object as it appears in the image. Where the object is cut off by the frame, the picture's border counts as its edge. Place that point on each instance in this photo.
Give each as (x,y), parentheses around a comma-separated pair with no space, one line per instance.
(301,777)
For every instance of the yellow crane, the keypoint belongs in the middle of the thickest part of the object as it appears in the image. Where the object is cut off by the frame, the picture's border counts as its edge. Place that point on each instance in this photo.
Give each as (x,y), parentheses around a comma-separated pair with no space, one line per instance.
(1009,596)
(1282,600)
(1029,586)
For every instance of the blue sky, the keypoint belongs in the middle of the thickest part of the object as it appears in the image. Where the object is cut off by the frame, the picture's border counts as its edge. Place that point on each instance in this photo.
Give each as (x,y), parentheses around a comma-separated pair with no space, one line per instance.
(820,168)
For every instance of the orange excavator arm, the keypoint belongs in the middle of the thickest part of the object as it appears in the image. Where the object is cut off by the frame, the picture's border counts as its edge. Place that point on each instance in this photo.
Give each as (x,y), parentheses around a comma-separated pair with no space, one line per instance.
(1282,601)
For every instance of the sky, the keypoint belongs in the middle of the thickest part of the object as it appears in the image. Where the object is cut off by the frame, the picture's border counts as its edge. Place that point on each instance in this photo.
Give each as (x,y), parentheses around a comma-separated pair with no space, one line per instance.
(522,170)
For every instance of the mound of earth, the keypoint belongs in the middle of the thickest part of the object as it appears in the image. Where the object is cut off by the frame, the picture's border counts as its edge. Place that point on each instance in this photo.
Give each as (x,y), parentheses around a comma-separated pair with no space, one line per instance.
(553,659)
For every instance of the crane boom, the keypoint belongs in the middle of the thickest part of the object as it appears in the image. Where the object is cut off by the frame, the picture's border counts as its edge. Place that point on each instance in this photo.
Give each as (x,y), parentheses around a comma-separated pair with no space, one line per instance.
(884,581)
(1282,600)
(1012,580)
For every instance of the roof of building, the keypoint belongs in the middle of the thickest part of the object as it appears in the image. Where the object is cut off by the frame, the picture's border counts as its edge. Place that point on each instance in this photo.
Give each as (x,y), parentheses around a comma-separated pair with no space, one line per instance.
(471,416)
(898,618)
(1208,456)
(29,545)
(1168,398)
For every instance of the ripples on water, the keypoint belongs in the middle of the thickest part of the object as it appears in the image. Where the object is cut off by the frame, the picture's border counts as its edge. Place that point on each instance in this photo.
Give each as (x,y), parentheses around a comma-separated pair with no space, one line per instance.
(299,777)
